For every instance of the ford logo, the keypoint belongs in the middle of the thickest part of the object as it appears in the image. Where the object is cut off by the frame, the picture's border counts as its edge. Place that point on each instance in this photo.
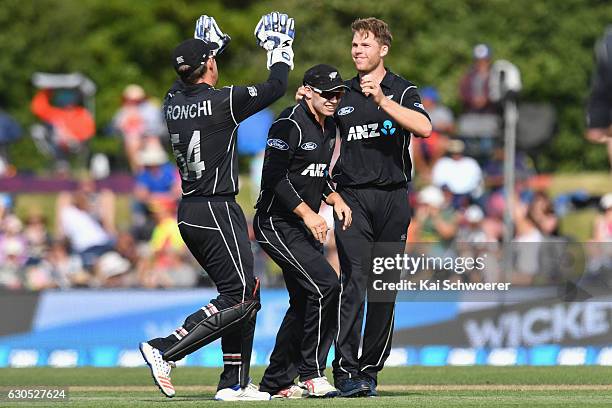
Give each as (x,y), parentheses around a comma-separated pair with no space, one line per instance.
(309,146)
(278,144)
(345,111)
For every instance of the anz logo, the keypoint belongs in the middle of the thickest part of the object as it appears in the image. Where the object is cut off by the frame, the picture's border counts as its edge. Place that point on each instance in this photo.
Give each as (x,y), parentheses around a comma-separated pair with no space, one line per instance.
(359,132)
(370,130)
(387,128)
(315,170)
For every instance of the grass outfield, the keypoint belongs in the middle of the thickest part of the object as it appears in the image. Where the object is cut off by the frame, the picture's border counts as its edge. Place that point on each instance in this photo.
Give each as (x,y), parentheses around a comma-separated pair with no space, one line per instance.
(399,387)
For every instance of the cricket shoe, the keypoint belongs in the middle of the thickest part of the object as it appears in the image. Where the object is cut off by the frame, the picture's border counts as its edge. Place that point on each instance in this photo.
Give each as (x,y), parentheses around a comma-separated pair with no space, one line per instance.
(319,387)
(353,387)
(248,393)
(160,369)
(291,392)
(372,383)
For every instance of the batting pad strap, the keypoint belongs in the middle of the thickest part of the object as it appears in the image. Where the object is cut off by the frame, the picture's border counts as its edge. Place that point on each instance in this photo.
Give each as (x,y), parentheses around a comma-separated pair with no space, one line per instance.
(282,54)
(211,328)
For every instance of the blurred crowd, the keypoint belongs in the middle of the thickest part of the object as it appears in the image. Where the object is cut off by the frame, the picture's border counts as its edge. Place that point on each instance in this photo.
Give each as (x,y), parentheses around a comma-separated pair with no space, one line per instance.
(457,196)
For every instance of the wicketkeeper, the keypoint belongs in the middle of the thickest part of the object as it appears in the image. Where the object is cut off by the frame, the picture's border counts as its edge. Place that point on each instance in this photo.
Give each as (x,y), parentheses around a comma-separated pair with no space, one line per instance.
(202,122)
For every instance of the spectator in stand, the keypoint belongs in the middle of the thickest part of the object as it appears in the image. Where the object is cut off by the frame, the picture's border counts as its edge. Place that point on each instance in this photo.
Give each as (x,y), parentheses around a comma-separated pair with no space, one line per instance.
(10,131)
(102,203)
(166,266)
(474,87)
(140,122)
(37,236)
(442,118)
(478,237)
(554,248)
(602,230)
(432,230)
(426,152)
(494,169)
(37,277)
(86,235)
(69,124)
(114,271)
(13,252)
(471,230)
(10,266)
(526,245)
(494,183)
(13,244)
(66,269)
(158,179)
(480,121)
(542,212)
(460,174)
(435,220)
(126,247)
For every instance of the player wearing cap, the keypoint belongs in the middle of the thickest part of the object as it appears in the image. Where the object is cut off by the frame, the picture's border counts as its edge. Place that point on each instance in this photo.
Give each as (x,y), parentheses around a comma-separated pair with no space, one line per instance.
(375,118)
(294,181)
(202,123)
(599,107)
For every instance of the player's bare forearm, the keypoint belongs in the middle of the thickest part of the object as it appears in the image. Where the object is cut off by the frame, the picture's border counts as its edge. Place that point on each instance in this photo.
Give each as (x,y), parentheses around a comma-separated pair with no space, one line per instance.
(314,222)
(410,120)
(599,135)
(303,210)
(342,210)
(332,198)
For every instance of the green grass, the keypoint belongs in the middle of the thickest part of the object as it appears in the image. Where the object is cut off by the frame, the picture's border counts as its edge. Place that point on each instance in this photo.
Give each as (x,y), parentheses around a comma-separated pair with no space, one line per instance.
(399,387)
(592,182)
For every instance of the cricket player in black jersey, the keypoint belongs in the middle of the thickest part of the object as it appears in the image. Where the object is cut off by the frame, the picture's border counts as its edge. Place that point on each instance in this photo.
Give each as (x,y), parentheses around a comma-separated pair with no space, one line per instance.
(599,108)
(376,118)
(202,122)
(290,230)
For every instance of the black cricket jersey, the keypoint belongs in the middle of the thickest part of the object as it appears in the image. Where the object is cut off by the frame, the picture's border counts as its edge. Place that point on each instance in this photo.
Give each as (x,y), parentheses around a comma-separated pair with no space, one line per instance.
(202,122)
(599,107)
(296,162)
(374,148)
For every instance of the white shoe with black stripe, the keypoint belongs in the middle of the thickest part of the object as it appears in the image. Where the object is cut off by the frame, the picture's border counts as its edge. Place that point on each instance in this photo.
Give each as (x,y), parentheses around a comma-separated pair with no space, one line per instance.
(160,369)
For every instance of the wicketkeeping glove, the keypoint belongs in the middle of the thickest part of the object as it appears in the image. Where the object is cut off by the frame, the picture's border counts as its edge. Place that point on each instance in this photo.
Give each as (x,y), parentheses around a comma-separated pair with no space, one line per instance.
(207,29)
(275,33)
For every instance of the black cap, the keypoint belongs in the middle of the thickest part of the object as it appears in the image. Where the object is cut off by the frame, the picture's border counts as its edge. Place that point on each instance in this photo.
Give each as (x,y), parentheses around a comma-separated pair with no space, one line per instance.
(323,78)
(193,53)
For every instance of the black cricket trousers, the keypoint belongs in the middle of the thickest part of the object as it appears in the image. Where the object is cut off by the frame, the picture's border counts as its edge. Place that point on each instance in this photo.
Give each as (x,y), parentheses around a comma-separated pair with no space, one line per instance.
(215,231)
(306,333)
(380,223)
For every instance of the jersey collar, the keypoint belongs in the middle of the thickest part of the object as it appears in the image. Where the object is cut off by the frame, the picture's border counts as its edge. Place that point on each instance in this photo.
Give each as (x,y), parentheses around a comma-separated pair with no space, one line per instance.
(387,81)
(312,117)
(193,89)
